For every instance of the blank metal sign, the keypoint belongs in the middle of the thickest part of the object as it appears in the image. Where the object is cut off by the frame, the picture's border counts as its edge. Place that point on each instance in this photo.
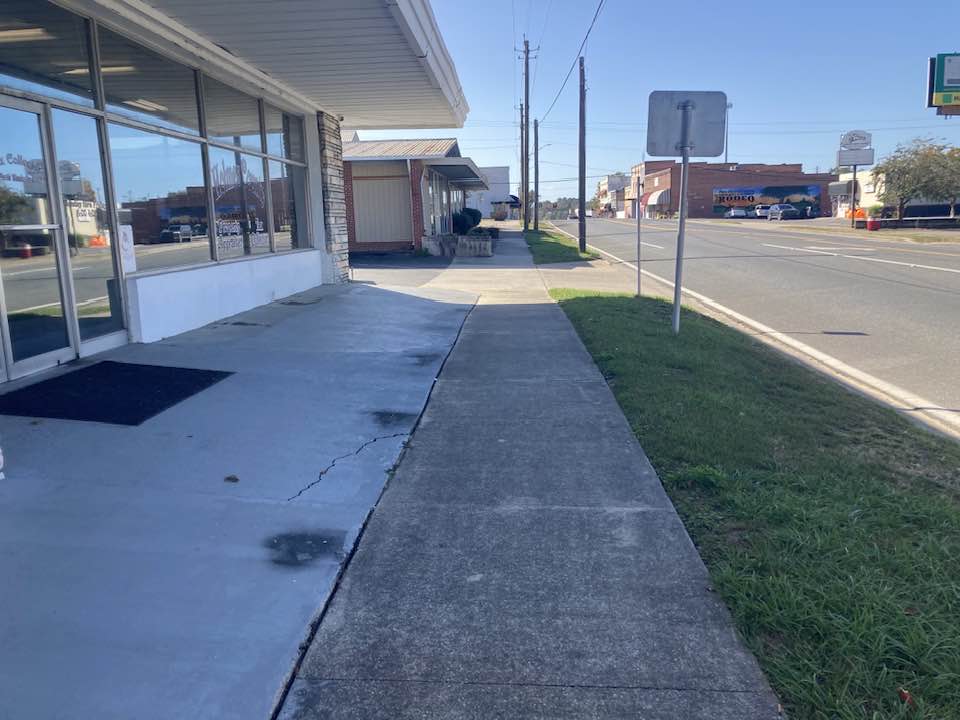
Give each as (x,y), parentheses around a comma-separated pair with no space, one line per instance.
(707,122)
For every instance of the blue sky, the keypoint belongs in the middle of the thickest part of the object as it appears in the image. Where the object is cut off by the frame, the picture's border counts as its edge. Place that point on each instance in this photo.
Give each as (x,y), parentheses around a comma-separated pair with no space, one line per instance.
(798,75)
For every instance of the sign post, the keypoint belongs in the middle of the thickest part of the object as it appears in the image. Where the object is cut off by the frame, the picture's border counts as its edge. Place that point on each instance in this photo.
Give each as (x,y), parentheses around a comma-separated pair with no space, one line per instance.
(685,124)
(855,150)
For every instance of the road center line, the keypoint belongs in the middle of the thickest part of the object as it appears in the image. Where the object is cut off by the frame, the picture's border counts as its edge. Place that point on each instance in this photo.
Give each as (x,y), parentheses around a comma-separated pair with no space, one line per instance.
(938,415)
(865,259)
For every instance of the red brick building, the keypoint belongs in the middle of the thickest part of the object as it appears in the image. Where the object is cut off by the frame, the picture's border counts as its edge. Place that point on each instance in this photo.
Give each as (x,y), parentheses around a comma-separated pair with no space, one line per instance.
(717,187)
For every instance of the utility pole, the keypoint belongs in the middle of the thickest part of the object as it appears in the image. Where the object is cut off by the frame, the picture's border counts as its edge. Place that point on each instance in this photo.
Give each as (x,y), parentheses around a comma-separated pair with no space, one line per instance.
(582,209)
(522,150)
(526,134)
(536,174)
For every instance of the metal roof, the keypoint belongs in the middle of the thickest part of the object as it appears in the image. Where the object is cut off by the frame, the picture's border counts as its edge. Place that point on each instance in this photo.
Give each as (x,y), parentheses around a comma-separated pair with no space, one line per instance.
(401,149)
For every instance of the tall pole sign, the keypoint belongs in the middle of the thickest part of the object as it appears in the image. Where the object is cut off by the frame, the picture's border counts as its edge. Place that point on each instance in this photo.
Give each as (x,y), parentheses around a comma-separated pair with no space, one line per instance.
(855,151)
(685,125)
(943,83)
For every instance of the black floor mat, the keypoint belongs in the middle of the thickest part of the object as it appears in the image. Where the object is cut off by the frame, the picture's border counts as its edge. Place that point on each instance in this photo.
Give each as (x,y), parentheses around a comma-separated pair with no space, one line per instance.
(109,392)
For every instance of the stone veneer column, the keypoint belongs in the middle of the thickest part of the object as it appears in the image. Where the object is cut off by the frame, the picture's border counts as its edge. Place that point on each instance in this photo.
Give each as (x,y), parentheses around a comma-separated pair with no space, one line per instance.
(334,199)
(416,201)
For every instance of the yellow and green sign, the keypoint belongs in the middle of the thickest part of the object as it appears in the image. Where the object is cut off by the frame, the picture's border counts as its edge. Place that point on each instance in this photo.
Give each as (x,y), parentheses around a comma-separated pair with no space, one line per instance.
(946,80)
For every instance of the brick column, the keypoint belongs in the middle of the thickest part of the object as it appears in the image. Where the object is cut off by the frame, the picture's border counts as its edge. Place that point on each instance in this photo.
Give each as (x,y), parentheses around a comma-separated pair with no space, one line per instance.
(416,201)
(334,200)
(348,197)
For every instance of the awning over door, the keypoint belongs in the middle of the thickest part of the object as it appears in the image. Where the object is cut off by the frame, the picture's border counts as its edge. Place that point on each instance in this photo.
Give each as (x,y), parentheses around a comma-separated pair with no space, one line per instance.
(659,197)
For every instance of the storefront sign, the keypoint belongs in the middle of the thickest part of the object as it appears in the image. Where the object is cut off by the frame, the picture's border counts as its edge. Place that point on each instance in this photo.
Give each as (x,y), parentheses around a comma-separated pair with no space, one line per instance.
(128,256)
(229,235)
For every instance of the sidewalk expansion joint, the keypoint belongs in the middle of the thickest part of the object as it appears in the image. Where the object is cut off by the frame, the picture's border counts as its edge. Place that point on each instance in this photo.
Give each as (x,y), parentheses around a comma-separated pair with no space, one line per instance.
(337,459)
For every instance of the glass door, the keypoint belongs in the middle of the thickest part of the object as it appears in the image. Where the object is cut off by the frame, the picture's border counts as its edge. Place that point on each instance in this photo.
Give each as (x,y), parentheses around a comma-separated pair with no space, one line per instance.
(36,322)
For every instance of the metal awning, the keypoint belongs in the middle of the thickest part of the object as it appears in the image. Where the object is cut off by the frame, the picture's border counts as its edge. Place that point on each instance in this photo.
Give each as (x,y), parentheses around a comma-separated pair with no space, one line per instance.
(836,189)
(511,200)
(460,171)
(659,197)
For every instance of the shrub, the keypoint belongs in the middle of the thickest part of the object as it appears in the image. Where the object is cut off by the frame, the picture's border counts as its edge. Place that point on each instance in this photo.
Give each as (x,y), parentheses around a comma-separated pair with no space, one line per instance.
(500,213)
(461,223)
(474,215)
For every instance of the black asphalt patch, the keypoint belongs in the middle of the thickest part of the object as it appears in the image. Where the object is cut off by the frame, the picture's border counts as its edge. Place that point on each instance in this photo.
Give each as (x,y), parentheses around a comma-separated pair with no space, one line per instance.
(110,392)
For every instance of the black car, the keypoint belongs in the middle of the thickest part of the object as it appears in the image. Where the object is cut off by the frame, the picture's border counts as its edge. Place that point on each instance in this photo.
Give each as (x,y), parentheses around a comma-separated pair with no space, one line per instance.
(783,211)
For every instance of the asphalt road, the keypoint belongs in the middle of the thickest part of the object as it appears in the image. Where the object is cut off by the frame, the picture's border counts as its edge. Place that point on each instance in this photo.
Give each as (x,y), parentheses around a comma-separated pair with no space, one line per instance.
(887,308)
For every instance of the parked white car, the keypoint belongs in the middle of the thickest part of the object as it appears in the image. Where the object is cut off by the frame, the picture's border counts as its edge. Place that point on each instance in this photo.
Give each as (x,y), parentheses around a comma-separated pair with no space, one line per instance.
(761,211)
(735,213)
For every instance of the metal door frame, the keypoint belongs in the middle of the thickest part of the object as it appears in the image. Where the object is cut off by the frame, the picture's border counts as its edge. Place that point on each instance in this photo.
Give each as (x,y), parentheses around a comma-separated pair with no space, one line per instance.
(15,369)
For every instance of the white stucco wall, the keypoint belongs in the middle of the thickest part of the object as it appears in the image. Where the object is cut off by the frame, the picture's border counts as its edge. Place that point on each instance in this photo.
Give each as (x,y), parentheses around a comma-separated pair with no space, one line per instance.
(170,303)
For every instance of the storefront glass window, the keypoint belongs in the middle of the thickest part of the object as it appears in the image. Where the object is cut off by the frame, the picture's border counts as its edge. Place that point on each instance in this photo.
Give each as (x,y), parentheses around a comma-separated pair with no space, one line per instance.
(146,86)
(88,228)
(288,191)
(44,50)
(161,195)
(284,134)
(239,196)
(233,117)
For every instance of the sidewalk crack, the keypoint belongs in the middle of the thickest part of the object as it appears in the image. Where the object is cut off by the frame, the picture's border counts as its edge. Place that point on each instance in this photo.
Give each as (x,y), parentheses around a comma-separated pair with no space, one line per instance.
(337,459)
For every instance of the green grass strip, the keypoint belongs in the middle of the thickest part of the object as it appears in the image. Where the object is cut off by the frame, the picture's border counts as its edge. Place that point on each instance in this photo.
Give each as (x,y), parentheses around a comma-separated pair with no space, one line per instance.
(552,247)
(830,524)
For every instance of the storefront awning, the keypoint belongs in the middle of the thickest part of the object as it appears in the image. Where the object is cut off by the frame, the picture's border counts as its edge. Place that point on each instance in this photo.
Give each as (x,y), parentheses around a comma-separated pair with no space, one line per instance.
(376,64)
(659,197)
(511,201)
(839,188)
(460,171)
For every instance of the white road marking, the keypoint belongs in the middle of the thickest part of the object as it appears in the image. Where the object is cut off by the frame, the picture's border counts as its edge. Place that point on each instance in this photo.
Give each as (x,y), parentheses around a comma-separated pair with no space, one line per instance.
(865,259)
(56,304)
(937,415)
(841,247)
(46,268)
(642,242)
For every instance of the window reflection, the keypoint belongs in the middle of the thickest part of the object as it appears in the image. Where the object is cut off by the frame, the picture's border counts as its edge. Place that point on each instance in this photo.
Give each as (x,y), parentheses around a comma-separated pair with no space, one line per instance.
(287,189)
(146,86)
(43,49)
(239,196)
(284,133)
(232,116)
(88,229)
(23,176)
(161,196)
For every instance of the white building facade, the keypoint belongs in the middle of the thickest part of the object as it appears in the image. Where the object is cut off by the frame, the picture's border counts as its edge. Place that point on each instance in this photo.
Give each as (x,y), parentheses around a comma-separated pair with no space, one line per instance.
(166,165)
(497,192)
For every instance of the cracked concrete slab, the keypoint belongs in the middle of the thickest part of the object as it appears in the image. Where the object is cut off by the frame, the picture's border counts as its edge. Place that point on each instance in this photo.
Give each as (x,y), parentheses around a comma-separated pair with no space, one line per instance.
(525,562)
(172,570)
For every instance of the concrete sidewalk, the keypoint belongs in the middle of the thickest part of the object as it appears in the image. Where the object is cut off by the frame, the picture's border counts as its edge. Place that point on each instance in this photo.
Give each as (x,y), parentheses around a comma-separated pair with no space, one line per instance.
(524,561)
(173,569)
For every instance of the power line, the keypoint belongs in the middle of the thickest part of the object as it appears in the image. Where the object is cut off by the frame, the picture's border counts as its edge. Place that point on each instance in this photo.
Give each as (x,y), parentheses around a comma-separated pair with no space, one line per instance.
(543,30)
(575,58)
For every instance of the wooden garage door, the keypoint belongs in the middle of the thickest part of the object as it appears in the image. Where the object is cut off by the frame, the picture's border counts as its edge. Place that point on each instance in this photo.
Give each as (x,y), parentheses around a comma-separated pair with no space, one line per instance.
(381,208)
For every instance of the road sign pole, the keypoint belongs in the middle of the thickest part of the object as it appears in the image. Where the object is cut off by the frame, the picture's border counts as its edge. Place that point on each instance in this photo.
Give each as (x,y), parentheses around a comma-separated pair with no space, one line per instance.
(687,109)
(853,200)
(639,217)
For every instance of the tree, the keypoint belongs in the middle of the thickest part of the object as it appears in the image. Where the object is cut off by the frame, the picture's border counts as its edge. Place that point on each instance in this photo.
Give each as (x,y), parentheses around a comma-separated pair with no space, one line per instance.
(945,180)
(909,173)
(12,206)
